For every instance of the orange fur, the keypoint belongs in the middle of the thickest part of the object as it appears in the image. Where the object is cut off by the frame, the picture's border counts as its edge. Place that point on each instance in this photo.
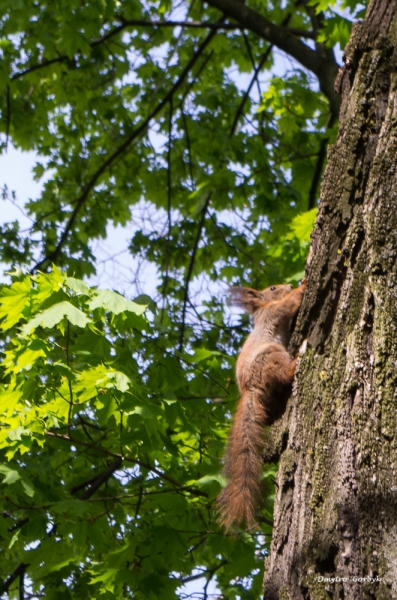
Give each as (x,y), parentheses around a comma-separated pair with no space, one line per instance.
(264,372)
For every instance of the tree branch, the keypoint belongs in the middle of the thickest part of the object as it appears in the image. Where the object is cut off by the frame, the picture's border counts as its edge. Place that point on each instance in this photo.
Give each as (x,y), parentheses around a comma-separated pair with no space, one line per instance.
(203,573)
(262,519)
(81,486)
(101,479)
(134,461)
(41,65)
(52,256)
(322,66)
(19,524)
(98,481)
(310,35)
(19,571)
(22,583)
(144,23)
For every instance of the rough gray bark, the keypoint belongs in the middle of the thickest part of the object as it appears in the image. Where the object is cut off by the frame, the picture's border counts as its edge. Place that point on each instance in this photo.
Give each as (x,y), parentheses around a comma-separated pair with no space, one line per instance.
(336,504)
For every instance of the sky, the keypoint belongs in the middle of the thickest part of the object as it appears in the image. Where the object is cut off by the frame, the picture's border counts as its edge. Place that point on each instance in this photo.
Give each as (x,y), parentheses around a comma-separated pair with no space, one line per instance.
(114,261)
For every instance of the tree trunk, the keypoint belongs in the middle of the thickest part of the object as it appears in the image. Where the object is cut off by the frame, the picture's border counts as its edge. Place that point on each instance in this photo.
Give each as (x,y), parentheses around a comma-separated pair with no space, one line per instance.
(335,533)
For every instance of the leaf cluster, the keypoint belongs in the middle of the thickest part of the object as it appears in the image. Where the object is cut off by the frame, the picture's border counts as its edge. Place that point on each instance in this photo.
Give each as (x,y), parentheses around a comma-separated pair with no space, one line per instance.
(110,461)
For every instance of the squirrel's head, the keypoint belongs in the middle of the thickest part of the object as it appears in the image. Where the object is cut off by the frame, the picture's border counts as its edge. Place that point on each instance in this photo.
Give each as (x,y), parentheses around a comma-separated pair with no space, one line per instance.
(251,300)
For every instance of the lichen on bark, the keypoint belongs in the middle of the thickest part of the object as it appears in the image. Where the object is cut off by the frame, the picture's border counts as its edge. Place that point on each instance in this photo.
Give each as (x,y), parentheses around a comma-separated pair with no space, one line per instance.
(336,504)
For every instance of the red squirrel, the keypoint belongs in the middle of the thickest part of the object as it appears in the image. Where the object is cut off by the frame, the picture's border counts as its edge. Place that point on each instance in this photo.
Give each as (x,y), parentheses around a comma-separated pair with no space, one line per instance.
(265,371)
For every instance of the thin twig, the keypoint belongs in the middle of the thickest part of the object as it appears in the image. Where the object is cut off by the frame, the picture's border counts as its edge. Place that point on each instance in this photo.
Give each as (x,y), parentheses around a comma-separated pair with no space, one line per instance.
(190,269)
(240,109)
(121,428)
(189,24)
(169,199)
(188,145)
(211,573)
(248,46)
(257,69)
(173,49)
(195,78)
(138,504)
(84,424)
(70,413)
(8,117)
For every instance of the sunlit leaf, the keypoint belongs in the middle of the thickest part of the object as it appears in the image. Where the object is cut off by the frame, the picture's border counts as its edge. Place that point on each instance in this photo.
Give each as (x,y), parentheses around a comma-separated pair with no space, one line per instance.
(54,315)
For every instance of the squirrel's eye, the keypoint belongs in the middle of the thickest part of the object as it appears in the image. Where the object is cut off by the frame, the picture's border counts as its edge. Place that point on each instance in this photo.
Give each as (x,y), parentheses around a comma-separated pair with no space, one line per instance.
(272,288)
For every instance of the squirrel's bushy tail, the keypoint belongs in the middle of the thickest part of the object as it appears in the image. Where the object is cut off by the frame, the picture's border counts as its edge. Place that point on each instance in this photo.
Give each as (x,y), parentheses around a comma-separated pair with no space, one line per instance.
(238,501)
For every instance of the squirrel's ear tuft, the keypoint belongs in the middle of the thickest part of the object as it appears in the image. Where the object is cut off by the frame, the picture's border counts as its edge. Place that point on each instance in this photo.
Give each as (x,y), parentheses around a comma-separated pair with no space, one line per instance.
(249,299)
